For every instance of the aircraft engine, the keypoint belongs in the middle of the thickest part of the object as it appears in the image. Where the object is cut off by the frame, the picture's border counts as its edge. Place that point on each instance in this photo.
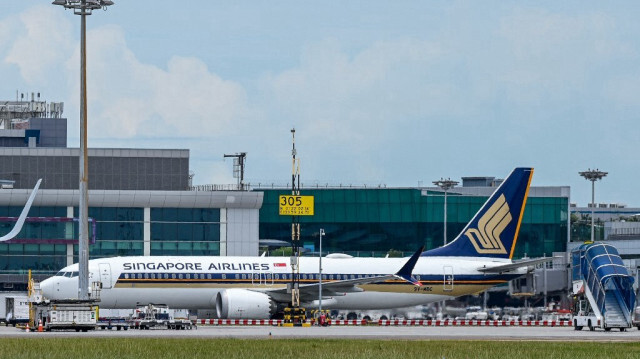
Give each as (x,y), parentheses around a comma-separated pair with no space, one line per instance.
(244,304)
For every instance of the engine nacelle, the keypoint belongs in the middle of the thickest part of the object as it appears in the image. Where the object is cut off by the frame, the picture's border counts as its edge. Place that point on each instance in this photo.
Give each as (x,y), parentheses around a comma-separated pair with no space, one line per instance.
(244,304)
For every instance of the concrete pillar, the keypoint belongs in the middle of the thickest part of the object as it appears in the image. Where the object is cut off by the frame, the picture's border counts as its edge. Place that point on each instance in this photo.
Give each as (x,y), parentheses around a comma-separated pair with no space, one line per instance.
(146,249)
(223,231)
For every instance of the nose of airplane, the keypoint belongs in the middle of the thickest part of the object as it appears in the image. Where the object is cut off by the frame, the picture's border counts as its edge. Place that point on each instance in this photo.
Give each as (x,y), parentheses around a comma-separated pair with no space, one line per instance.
(46,286)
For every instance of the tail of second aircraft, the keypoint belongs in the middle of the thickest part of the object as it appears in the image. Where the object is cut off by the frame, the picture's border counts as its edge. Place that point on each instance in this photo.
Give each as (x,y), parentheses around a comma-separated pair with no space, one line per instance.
(493,231)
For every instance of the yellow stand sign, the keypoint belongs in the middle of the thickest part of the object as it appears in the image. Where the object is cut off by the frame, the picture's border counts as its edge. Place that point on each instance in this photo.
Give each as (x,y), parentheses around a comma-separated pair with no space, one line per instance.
(296,205)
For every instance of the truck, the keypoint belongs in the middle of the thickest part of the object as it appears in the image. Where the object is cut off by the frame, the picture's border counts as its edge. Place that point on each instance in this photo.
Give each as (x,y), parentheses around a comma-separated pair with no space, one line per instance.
(157,316)
(67,315)
(583,313)
(112,322)
(17,309)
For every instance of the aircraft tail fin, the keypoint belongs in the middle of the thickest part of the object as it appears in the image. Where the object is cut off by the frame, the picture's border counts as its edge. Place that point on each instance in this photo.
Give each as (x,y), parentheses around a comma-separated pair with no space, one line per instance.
(493,231)
(23,215)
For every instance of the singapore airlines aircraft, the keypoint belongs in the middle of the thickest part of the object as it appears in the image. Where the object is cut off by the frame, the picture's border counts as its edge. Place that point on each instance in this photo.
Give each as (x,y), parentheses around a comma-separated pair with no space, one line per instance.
(255,287)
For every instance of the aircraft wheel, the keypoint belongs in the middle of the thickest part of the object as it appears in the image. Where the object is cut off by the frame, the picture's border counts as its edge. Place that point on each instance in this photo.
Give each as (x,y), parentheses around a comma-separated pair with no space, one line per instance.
(623,329)
(608,329)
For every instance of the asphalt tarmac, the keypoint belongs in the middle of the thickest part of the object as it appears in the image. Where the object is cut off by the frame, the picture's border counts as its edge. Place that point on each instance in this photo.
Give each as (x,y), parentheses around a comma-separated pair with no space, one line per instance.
(355,332)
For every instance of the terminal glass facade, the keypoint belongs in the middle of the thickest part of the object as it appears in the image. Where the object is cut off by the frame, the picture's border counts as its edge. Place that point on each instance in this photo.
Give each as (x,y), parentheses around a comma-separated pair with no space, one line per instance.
(41,248)
(119,232)
(371,222)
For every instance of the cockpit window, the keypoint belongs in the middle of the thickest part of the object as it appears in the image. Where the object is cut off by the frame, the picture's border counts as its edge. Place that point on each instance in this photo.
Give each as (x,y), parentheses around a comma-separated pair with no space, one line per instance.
(74,274)
(59,274)
(67,274)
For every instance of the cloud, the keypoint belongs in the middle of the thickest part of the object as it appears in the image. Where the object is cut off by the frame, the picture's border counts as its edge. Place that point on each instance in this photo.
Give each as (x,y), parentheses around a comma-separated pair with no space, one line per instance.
(129,98)
(353,97)
(43,40)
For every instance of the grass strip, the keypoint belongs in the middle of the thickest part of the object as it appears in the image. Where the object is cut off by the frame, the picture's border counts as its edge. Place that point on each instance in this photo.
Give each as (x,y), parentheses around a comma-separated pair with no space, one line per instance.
(154,348)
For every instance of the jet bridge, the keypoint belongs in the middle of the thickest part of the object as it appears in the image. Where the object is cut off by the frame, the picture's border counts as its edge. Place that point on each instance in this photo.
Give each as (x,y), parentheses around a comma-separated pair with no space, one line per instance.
(601,280)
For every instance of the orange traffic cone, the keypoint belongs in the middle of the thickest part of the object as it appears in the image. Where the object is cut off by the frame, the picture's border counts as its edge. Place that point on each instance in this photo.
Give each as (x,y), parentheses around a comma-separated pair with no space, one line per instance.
(40,325)
(27,328)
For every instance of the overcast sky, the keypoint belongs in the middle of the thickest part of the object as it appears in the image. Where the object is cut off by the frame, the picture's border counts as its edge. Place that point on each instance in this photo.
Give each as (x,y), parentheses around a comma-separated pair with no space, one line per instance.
(380,92)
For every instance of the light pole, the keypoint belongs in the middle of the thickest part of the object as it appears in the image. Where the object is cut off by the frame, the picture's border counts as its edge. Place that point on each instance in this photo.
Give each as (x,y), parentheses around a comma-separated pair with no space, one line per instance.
(445,185)
(83,8)
(320,271)
(593,176)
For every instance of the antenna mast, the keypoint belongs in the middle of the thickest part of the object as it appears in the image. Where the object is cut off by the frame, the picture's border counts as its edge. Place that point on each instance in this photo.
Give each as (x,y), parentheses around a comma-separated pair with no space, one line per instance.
(238,168)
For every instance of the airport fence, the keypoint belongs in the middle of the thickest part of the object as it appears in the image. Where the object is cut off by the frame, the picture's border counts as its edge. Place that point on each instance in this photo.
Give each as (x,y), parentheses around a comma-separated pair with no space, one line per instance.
(398,322)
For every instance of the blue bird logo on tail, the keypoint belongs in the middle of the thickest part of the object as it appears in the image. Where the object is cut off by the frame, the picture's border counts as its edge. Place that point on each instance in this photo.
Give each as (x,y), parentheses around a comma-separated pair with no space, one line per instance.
(486,238)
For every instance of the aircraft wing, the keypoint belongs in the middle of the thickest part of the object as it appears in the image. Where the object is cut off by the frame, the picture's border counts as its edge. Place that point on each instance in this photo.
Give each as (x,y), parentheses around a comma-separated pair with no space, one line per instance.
(515,265)
(341,287)
(18,226)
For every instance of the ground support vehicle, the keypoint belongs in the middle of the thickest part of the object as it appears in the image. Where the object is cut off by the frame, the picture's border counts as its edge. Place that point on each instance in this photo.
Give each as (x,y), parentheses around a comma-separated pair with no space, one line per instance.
(602,288)
(157,316)
(110,323)
(66,315)
(584,316)
(17,309)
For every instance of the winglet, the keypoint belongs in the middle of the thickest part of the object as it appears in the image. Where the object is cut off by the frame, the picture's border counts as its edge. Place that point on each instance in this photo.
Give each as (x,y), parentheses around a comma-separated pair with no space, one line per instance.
(18,226)
(405,272)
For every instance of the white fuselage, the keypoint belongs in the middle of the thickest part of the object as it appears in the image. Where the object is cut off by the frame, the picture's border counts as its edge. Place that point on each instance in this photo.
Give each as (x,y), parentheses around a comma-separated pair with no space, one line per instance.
(194,282)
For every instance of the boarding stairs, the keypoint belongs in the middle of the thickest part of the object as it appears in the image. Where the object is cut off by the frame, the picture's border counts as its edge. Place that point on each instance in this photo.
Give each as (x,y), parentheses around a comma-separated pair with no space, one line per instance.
(614,315)
(608,284)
